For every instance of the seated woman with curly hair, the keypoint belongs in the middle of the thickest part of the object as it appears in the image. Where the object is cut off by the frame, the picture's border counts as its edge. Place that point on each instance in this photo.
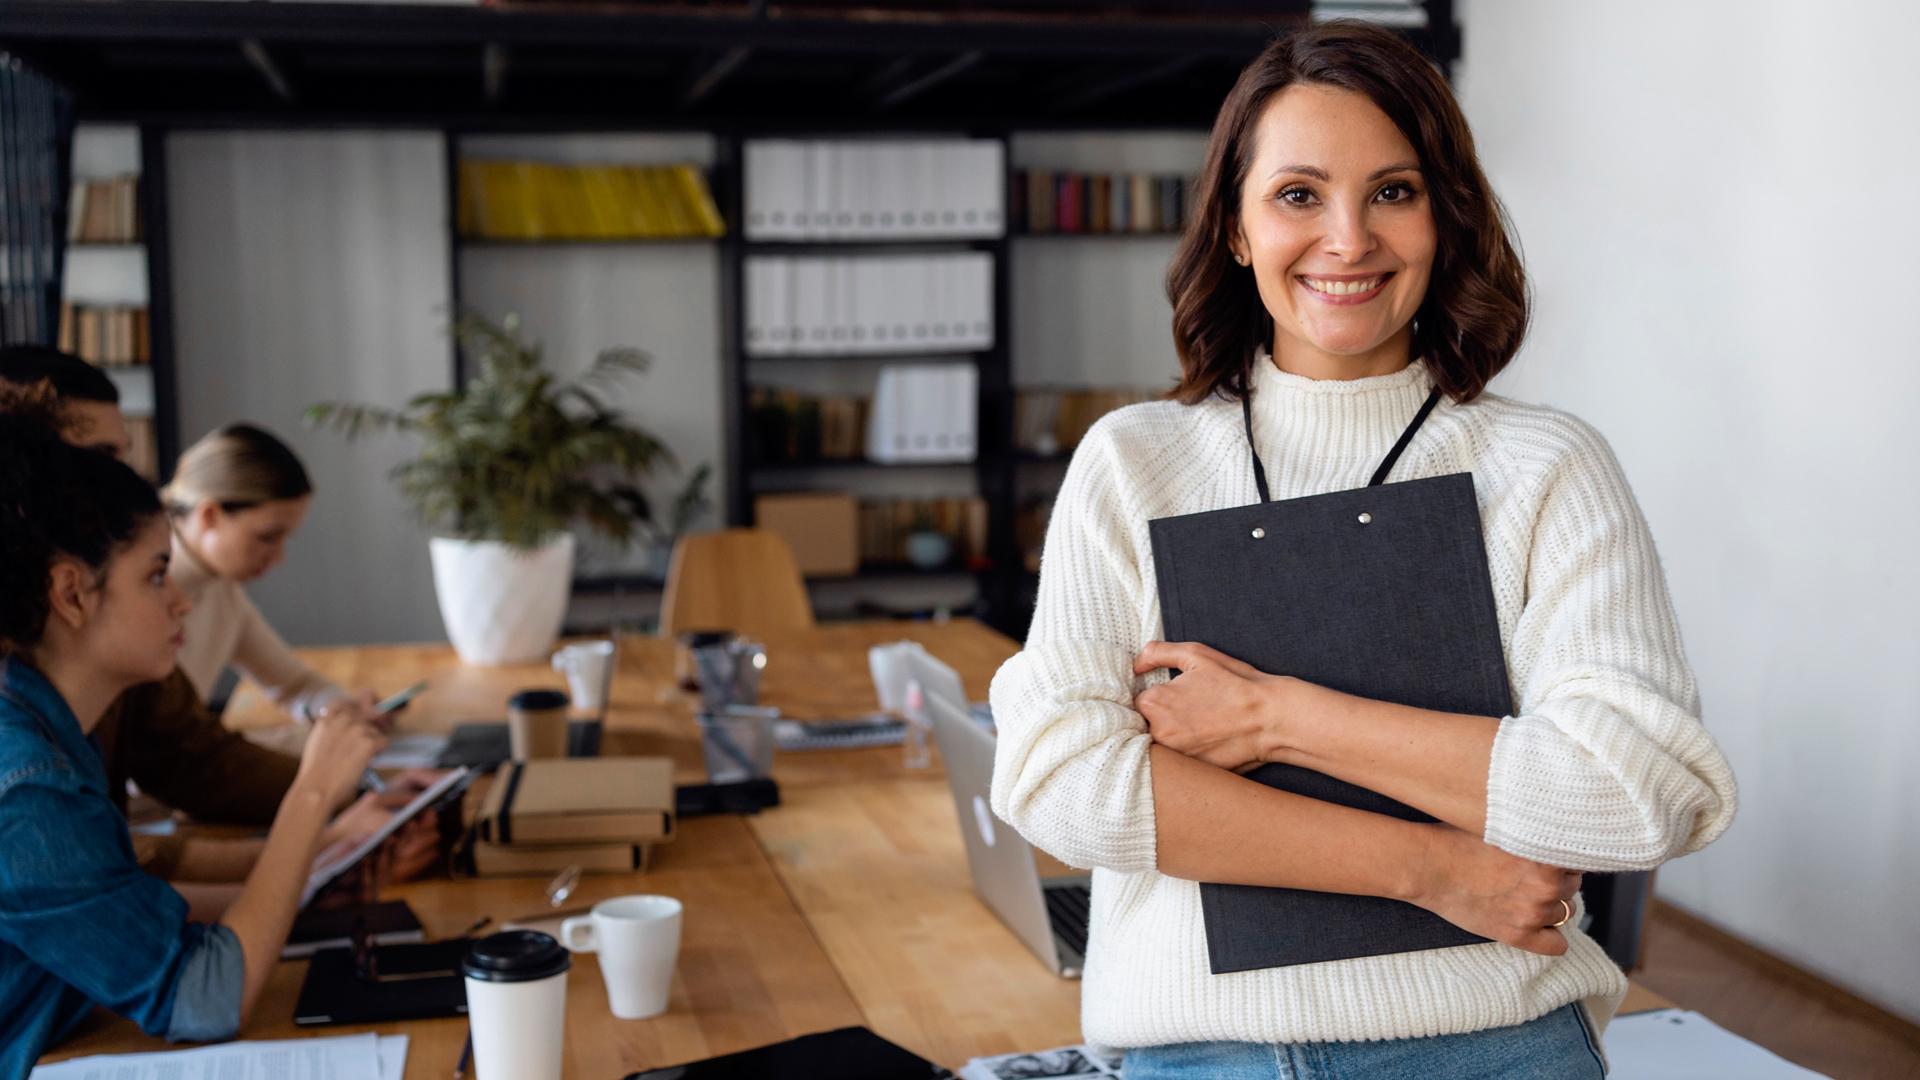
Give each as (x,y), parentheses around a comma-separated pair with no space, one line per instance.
(86,611)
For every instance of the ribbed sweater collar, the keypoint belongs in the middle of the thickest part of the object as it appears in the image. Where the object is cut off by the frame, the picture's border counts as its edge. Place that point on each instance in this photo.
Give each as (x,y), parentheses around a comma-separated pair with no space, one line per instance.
(1320,430)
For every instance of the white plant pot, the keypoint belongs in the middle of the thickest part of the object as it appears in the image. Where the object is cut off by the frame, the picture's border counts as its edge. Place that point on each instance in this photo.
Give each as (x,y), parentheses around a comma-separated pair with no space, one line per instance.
(502,606)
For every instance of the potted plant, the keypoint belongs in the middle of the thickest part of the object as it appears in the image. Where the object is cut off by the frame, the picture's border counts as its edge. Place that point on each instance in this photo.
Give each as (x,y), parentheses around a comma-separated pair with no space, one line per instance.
(508,464)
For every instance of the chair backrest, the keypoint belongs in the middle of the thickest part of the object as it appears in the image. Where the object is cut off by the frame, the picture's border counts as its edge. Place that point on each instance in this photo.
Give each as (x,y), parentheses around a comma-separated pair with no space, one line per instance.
(743,580)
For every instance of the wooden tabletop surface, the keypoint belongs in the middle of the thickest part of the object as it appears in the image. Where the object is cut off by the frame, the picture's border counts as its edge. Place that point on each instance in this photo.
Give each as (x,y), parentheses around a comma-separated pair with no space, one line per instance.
(848,904)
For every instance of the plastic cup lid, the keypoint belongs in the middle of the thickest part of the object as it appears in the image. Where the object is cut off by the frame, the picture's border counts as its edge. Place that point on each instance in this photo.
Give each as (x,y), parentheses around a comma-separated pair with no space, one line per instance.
(534,700)
(515,956)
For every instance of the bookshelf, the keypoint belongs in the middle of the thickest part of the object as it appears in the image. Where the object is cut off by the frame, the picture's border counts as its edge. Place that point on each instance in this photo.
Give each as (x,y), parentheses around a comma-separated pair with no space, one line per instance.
(108,288)
(715,75)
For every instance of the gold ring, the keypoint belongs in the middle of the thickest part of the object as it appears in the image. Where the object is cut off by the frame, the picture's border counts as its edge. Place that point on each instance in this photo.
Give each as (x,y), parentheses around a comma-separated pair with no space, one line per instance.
(1563,918)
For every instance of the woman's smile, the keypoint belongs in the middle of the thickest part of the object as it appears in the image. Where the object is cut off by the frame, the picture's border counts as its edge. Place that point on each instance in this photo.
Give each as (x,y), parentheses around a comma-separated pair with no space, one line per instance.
(1344,289)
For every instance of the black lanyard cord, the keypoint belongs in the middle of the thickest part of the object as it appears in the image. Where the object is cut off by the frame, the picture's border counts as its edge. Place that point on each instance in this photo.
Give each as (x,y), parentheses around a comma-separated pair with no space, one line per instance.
(1379,475)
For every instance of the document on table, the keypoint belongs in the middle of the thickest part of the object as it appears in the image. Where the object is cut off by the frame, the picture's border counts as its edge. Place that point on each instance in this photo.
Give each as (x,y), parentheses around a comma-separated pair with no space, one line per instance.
(1673,1044)
(343,1057)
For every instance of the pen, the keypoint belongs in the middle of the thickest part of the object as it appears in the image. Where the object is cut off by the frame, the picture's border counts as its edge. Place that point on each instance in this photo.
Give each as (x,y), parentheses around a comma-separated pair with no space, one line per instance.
(373,781)
(466,1055)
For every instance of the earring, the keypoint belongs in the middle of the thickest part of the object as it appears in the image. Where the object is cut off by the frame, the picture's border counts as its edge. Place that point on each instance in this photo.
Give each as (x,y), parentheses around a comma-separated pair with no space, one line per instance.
(1241,259)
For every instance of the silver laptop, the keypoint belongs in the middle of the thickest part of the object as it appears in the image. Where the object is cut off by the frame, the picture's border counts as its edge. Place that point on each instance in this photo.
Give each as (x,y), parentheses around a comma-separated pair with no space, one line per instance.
(1049,914)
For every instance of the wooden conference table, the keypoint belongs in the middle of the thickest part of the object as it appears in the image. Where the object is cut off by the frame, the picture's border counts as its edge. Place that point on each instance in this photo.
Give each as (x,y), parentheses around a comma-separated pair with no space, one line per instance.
(849,904)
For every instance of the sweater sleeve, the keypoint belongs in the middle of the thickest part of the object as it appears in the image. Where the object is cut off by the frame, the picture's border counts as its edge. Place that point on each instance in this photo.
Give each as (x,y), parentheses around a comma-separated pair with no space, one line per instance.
(179,753)
(1071,767)
(264,658)
(1607,766)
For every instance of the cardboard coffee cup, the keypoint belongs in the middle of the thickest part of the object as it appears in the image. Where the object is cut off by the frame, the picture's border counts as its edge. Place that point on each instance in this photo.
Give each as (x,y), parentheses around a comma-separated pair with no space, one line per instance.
(537,724)
(517,1005)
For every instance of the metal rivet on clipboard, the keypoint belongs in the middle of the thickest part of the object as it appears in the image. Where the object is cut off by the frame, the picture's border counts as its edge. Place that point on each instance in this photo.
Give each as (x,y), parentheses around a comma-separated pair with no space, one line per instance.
(1259,534)
(1366,519)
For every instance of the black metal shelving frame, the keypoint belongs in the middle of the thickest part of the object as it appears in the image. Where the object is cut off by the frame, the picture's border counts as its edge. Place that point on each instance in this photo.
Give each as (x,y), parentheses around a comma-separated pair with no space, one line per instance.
(737,69)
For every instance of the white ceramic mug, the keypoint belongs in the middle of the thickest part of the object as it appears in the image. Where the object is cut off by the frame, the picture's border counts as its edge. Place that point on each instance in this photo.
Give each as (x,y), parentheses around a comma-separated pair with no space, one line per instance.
(588,666)
(638,939)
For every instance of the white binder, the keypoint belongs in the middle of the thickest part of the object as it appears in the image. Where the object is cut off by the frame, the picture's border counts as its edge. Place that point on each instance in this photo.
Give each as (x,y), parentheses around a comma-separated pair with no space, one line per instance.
(924,414)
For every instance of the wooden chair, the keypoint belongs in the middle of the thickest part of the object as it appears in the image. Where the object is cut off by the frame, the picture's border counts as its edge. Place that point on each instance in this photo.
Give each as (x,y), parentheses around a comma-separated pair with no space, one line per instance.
(743,580)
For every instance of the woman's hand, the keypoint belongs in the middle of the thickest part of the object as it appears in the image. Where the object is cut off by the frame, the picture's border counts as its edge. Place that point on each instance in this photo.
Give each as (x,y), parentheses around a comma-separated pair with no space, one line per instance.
(336,754)
(360,707)
(1218,710)
(362,819)
(1477,887)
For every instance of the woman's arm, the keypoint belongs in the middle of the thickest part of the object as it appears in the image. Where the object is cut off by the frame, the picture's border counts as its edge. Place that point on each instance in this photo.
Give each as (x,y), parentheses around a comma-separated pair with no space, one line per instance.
(206,903)
(263,656)
(1216,826)
(1229,715)
(336,754)
(1606,765)
(216,861)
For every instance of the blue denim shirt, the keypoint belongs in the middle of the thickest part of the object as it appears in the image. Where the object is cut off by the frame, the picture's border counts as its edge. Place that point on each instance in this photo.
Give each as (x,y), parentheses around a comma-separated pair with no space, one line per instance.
(80,922)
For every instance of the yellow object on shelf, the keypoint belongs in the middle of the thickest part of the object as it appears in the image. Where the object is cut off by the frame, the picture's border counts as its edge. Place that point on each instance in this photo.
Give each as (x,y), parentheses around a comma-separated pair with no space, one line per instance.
(524,200)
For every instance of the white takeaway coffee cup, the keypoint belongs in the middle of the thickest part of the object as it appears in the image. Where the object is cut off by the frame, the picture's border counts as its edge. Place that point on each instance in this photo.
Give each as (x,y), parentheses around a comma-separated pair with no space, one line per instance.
(588,666)
(638,939)
(517,1005)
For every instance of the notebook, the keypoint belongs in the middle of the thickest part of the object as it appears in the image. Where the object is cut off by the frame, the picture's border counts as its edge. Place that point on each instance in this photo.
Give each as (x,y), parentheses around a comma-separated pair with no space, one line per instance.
(415,982)
(579,800)
(390,923)
(1380,591)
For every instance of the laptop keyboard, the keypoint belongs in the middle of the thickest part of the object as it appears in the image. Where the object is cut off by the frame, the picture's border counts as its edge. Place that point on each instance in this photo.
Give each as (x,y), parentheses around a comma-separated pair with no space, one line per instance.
(1067,910)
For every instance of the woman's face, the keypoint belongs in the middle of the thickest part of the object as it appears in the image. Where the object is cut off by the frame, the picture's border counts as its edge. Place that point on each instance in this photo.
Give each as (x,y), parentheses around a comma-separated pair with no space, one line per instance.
(1337,228)
(243,544)
(134,630)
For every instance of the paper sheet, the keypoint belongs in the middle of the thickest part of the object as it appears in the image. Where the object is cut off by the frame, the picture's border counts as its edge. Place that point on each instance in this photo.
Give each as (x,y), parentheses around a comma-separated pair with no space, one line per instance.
(393,1057)
(1673,1044)
(344,1057)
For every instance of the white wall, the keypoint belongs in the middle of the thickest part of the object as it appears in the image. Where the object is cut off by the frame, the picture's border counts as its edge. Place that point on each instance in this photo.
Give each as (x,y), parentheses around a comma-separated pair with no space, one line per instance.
(306,267)
(1715,205)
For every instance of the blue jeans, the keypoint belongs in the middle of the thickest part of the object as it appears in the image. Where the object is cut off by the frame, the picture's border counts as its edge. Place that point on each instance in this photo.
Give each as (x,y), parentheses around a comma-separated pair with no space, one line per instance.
(1557,1046)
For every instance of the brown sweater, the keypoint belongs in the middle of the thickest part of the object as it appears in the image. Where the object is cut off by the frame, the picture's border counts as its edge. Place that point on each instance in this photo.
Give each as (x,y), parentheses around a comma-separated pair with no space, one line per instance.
(161,737)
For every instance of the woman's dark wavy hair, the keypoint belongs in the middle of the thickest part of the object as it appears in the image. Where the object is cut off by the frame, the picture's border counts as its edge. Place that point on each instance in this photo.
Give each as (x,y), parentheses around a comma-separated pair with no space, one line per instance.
(1475,311)
(57,501)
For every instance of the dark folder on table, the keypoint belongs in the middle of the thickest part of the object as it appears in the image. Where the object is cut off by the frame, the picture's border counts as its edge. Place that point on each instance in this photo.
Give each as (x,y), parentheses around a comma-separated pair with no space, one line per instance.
(1382,592)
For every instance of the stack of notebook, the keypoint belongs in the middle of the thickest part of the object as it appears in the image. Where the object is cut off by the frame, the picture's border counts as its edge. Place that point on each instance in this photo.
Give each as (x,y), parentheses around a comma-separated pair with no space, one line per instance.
(600,814)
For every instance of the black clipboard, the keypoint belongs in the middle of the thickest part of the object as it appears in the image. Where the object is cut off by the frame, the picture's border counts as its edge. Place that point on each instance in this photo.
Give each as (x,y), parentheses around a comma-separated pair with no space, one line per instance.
(1382,592)
(851,1053)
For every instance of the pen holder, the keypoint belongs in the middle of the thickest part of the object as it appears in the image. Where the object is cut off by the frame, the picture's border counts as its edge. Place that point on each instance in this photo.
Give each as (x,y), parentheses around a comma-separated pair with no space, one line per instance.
(730,673)
(738,743)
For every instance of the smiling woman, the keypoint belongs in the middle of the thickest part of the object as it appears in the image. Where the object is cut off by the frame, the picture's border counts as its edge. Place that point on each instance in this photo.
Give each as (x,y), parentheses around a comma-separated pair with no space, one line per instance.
(1343,176)
(1348,278)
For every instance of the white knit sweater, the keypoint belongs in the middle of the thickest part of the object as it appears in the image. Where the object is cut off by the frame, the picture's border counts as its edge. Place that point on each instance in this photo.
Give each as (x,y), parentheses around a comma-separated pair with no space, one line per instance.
(1605,767)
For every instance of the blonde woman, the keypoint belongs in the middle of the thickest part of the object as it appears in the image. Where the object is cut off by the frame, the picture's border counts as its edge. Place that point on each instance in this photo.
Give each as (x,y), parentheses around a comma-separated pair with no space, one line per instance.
(235,498)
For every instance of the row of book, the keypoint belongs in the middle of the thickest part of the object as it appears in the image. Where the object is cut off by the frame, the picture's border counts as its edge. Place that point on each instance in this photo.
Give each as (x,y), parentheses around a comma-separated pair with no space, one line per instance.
(886,524)
(1049,421)
(1045,201)
(787,426)
(104,211)
(878,189)
(527,200)
(106,335)
(869,304)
